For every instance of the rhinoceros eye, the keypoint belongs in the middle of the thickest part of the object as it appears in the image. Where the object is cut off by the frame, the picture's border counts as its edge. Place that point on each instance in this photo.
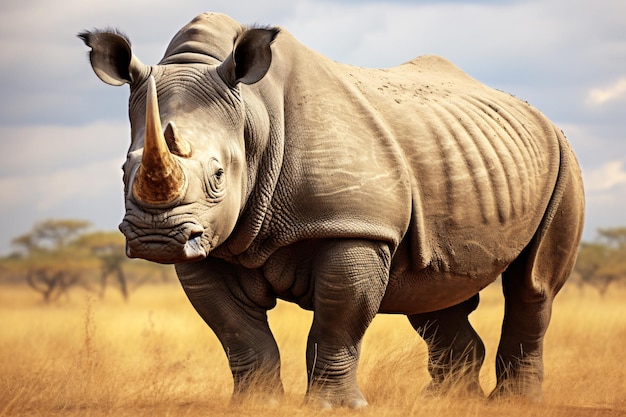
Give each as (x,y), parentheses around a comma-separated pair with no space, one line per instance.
(216,179)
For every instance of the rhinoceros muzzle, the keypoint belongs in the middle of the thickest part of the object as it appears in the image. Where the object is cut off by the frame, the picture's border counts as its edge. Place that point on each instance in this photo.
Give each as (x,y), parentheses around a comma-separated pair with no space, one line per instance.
(182,243)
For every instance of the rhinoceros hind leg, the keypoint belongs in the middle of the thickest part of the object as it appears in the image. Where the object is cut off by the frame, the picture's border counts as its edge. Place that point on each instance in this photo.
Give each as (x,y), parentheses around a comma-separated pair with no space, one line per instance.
(528,307)
(455,351)
(532,281)
(519,361)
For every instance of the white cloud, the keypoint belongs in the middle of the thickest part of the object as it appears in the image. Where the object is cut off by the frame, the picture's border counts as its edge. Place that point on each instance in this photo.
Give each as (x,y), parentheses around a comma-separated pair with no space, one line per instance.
(605,178)
(44,149)
(615,91)
(383,34)
(49,190)
(605,189)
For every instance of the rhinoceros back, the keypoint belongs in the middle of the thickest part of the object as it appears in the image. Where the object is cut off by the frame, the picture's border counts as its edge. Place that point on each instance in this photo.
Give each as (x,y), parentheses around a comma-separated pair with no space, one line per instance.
(484,166)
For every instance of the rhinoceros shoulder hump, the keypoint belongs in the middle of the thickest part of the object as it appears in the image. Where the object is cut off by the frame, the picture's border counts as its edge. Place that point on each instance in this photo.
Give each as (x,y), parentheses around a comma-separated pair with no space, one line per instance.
(436,67)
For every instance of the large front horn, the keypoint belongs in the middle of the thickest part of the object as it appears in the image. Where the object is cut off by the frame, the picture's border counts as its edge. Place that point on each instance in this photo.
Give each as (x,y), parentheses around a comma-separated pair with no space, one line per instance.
(160,178)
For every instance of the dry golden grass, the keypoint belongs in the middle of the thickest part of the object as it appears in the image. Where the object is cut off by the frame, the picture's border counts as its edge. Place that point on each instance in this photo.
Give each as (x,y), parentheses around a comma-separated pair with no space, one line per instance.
(153,356)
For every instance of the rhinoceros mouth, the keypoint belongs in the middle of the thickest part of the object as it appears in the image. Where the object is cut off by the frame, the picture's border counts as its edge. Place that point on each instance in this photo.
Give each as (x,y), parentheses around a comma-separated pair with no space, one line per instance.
(183,243)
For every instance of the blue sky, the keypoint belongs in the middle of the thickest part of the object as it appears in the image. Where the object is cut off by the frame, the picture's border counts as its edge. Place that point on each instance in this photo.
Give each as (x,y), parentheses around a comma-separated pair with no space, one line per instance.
(64,134)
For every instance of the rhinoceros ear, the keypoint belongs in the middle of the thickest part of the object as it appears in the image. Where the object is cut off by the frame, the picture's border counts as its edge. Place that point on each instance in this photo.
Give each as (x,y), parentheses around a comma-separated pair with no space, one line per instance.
(251,57)
(111,57)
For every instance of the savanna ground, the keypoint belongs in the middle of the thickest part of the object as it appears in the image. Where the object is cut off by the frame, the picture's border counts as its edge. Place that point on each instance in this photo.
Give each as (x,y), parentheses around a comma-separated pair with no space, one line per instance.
(153,356)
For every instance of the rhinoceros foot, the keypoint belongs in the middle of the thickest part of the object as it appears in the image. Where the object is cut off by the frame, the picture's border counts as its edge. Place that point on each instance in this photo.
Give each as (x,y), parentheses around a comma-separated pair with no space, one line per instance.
(456,388)
(266,400)
(528,391)
(354,402)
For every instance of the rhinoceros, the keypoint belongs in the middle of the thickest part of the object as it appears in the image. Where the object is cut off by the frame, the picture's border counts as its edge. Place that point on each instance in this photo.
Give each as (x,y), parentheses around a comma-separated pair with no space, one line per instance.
(281,174)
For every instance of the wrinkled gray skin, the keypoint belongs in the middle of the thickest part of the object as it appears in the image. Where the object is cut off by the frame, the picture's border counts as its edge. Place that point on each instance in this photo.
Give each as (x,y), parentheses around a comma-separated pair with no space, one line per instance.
(350,192)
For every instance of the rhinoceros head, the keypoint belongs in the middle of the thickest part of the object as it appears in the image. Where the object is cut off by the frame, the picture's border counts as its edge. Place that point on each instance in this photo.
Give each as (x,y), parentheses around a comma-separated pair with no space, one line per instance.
(185,183)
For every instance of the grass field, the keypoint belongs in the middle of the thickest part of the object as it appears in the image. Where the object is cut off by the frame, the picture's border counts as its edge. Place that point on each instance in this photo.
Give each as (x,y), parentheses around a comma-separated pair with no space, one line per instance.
(153,356)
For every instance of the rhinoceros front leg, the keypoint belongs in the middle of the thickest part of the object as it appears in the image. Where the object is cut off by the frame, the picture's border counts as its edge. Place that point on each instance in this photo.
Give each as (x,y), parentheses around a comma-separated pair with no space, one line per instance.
(239,320)
(350,281)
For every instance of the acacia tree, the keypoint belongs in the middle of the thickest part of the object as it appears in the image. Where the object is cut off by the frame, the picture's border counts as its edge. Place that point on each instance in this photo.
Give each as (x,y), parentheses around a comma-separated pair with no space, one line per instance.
(52,266)
(110,249)
(614,237)
(603,262)
(591,258)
